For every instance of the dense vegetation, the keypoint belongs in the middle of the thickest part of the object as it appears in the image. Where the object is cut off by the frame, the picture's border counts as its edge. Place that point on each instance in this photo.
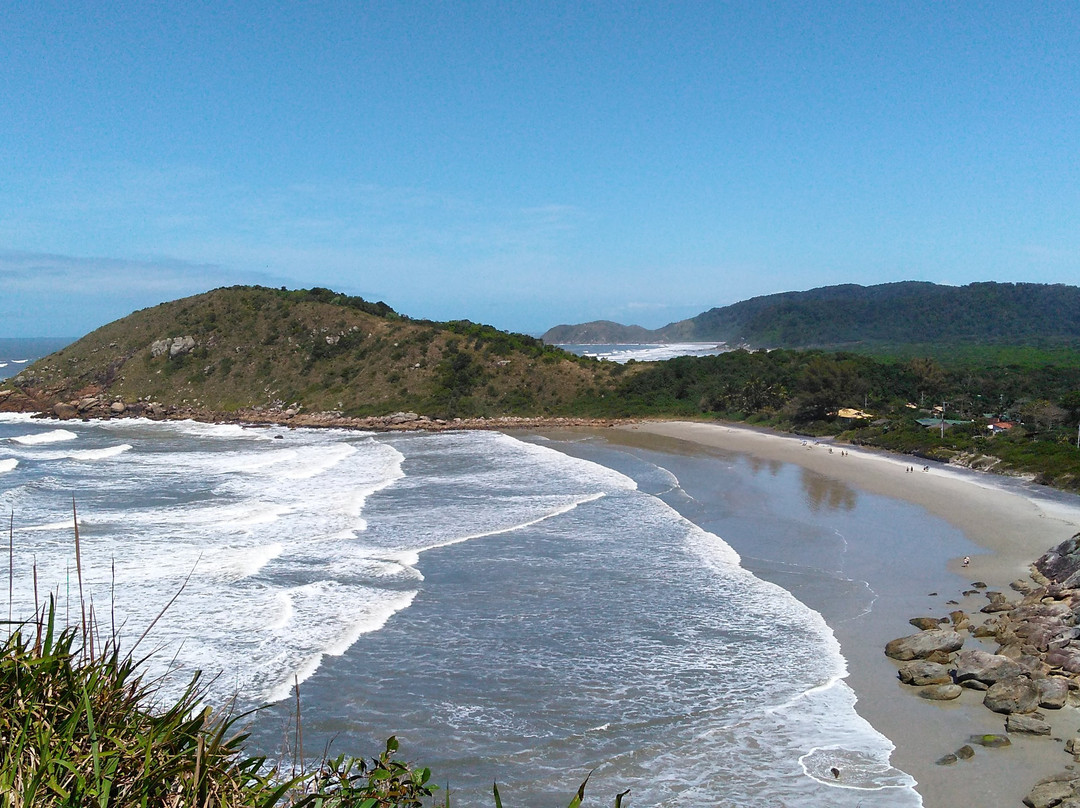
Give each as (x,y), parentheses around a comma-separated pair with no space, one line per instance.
(255,350)
(877,318)
(805,391)
(253,347)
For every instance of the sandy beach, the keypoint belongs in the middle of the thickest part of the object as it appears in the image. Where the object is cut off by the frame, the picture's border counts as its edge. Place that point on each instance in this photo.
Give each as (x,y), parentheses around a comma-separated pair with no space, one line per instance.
(1002,524)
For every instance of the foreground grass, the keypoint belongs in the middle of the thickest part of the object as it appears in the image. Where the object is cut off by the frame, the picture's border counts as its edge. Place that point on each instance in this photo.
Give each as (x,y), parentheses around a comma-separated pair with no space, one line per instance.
(80,727)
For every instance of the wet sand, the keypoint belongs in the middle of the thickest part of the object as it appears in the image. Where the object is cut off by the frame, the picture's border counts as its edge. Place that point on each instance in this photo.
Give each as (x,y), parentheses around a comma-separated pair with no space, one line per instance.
(1002,524)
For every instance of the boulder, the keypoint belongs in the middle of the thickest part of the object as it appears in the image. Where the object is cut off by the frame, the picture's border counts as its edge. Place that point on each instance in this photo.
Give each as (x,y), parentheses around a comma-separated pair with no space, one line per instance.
(1068,659)
(1053,692)
(921,672)
(926,623)
(117,407)
(946,760)
(941,692)
(1061,564)
(180,345)
(159,347)
(1019,695)
(1052,790)
(1072,746)
(990,740)
(985,667)
(1027,724)
(65,412)
(923,644)
(998,603)
(965,752)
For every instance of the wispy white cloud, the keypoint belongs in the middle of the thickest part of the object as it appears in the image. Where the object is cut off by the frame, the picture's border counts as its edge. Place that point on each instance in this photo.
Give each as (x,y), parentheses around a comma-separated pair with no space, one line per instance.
(63,295)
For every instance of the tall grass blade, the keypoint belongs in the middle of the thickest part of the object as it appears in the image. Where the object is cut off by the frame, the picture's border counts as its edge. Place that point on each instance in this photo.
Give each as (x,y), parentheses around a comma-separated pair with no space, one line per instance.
(172,600)
(78,570)
(11,566)
(576,802)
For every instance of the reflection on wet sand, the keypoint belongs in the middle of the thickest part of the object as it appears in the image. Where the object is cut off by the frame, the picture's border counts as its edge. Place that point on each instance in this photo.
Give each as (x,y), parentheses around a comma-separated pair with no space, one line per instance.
(822,492)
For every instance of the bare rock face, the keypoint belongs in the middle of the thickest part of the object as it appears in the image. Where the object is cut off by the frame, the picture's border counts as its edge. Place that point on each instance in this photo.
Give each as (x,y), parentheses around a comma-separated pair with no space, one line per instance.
(1061,565)
(181,345)
(174,346)
(1018,695)
(923,644)
(65,412)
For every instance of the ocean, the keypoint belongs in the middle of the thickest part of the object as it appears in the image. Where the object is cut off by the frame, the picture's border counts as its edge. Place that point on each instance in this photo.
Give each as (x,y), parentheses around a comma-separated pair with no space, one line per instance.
(17,353)
(651,352)
(513,608)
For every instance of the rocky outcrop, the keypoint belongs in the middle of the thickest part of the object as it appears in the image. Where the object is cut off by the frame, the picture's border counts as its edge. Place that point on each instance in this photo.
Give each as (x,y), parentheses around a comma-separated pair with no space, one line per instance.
(172,346)
(1061,565)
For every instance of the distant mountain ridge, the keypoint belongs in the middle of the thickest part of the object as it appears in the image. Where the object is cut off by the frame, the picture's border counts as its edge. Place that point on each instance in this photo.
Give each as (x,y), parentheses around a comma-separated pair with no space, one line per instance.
(850,314)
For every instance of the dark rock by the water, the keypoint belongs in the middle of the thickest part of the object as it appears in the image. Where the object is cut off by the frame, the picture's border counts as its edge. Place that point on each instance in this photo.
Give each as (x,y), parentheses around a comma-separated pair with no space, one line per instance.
(965,752)
(990,741)
(921,672)
(1017,695)
(926,623)
(946,760)
(923,644)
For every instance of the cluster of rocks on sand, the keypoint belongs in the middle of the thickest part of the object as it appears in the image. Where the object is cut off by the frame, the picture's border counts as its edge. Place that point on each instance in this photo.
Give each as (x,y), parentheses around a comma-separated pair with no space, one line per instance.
(1035,666)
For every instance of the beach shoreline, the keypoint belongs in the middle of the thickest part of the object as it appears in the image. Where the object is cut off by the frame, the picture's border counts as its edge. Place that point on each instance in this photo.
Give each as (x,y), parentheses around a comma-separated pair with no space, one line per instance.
(1011,523)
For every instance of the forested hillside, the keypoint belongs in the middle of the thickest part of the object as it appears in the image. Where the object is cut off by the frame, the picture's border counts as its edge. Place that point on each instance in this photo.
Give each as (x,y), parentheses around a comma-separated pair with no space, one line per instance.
(878,317)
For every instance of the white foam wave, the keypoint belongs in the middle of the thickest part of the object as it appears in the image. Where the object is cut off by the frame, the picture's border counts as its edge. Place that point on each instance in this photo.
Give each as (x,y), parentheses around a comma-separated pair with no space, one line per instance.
(100,454)
(16,417)
(48,527)
(8,464)
(20,361)
(512,528)
(235,563)
(86,455)
(39,438)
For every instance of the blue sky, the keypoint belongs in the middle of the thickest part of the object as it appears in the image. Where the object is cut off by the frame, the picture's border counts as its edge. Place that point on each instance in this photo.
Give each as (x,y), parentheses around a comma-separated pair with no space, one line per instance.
(529,164)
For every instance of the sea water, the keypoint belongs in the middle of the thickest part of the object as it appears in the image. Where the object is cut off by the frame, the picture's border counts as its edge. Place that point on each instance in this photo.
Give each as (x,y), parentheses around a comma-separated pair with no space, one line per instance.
(650,352)
(509,611)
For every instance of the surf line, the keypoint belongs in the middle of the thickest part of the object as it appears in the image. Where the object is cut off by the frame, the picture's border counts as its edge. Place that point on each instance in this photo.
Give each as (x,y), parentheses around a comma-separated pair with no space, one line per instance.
(558,512)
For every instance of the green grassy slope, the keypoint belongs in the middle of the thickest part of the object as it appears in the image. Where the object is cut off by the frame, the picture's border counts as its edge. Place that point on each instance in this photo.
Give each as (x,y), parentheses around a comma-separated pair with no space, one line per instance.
(258,347)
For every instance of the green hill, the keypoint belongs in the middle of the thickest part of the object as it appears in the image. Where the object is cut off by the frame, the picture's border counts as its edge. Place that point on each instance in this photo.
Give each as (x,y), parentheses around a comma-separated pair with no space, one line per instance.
(311,350)
(883,316)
